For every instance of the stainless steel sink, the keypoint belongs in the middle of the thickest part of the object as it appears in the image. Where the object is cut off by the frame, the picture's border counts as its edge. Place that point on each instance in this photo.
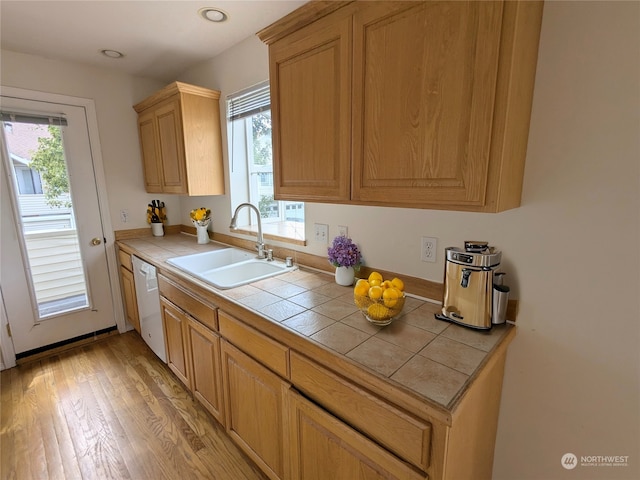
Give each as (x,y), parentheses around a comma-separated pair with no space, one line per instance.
(228,267)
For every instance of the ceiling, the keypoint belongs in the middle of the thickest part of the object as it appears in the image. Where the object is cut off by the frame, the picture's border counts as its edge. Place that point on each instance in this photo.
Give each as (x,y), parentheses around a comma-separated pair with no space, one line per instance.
(160,39)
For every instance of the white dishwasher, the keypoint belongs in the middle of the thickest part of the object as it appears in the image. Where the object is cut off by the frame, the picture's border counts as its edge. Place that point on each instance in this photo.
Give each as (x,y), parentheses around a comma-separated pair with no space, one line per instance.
(148,297)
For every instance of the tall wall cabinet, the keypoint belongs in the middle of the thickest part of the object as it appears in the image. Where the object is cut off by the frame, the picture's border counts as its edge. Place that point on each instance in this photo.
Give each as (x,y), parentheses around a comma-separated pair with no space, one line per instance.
(180,140)
(410,104)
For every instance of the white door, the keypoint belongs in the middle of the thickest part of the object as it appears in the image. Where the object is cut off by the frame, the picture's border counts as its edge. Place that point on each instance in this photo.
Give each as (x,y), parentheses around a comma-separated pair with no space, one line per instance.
(54,278)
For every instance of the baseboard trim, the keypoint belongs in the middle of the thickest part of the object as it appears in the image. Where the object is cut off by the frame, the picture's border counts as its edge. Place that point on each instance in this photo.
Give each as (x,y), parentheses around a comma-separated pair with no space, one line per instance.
(54,348)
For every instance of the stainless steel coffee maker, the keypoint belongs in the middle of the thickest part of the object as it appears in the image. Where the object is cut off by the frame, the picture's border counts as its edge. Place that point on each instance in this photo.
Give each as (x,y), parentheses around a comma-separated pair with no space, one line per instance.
(469,286)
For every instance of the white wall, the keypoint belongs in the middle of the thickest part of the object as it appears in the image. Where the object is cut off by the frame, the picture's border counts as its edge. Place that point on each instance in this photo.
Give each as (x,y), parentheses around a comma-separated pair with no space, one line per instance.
(571,250)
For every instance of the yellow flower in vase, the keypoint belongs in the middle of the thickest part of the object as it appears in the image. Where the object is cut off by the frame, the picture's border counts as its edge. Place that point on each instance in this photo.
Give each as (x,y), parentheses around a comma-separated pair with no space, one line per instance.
(200,216)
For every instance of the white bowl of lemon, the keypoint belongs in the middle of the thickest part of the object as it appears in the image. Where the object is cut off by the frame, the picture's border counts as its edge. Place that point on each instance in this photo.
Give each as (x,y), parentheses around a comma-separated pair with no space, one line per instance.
(381,301)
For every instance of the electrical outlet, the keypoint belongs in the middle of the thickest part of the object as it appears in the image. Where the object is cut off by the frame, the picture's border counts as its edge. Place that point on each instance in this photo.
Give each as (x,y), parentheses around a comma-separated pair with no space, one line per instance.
(343,231)
(124,216)
(321,232)
(429,249)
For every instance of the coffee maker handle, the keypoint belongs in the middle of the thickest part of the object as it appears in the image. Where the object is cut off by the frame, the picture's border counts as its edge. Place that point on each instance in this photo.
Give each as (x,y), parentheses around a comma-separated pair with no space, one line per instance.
(464,281)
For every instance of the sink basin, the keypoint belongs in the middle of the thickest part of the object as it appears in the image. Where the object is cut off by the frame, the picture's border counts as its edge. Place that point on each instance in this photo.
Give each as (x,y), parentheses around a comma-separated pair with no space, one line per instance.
(242,273)
(229,267)
(198,263)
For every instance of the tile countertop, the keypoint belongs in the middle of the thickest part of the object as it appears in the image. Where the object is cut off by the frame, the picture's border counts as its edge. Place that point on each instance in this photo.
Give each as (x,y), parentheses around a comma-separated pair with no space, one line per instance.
(430,357)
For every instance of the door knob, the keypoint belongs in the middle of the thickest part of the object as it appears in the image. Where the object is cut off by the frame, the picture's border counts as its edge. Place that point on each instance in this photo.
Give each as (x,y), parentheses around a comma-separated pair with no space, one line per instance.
(95,241)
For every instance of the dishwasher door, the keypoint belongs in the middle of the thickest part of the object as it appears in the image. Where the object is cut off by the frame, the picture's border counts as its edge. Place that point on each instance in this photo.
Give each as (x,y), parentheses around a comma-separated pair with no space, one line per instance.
(148,297)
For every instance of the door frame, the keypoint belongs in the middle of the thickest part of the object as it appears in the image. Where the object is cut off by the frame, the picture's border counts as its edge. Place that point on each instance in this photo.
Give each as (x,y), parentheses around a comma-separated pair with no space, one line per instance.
(100,181)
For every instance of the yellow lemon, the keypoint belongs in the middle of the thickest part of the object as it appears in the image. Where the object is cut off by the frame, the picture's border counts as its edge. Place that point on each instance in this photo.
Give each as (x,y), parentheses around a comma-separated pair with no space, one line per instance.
(375,276)
(390,297)
(375,282)
(378,312)
(361,288)
(386,284)
(399,284)
(375,292)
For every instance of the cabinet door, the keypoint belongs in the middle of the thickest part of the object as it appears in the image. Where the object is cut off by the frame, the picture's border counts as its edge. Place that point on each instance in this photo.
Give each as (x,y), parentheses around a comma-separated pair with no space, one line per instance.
(174,324)
(322,447)
(129,294)
(171,144)
(310,105)
(150,154)
(254,399)
(424,88)
(206,379)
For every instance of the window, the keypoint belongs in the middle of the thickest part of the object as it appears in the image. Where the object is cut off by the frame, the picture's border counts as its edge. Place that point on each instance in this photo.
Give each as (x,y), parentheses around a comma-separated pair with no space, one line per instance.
(251,165)
(29,182)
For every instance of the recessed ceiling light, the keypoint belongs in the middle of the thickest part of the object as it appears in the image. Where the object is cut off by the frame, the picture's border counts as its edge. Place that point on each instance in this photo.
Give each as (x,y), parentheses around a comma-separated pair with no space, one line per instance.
(112,53)
(213,14)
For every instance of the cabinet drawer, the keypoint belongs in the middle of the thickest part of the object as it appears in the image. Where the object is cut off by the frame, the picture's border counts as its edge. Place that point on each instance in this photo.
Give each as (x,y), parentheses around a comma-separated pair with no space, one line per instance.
(406,436)
(125,260)
(205,314)
(270,353)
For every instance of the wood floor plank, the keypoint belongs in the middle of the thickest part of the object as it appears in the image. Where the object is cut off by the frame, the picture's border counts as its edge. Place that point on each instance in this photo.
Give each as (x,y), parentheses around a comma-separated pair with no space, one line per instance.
(46,398)
(110,406)
(149,417)
(143,419)
(82,429)
(133,412)
(7,424)
(64,442)
(176,440)
(110,409)
(30,435)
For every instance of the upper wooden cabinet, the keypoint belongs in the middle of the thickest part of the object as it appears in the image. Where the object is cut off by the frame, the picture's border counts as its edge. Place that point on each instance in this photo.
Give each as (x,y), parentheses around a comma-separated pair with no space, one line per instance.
(179,129)
(311,111)
(408,104)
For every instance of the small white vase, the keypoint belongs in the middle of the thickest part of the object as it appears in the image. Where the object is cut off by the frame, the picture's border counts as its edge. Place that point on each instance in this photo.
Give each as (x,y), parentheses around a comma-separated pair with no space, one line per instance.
(157,229)
(203,233)
(345,276)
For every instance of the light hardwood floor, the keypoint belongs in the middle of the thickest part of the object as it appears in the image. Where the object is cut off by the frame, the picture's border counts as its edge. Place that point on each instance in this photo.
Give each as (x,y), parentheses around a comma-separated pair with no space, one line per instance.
(106,410)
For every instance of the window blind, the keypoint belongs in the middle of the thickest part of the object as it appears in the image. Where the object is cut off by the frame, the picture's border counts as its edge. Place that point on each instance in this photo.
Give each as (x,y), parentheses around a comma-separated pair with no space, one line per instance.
(248,102)
(16,117)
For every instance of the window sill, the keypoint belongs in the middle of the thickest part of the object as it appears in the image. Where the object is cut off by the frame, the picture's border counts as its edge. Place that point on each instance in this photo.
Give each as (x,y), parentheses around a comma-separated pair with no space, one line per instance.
(287,232)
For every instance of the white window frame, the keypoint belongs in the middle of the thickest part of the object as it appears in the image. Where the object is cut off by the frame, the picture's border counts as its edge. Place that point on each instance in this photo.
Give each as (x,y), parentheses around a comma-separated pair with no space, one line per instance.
(241,167)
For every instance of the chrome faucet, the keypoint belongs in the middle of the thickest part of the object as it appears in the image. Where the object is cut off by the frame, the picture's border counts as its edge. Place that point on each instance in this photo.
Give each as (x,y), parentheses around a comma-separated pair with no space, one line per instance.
(260,245)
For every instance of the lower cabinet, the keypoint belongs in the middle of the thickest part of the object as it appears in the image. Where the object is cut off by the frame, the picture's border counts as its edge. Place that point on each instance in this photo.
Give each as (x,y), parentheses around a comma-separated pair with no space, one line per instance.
(129,290)
(129,295)
(174,323)
(297,419)
(254,401)
(322,447)
(206,374)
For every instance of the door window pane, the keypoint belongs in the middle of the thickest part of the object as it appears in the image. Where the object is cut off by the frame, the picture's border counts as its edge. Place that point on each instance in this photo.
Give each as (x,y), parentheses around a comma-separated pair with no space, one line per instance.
(48,225)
